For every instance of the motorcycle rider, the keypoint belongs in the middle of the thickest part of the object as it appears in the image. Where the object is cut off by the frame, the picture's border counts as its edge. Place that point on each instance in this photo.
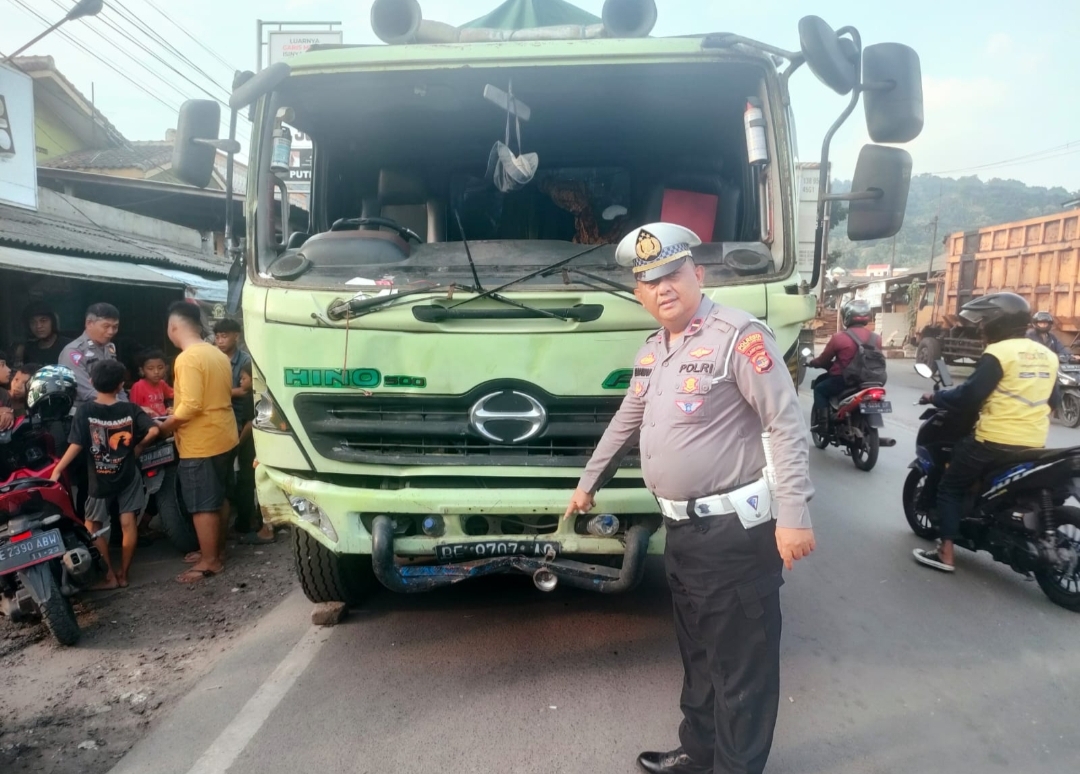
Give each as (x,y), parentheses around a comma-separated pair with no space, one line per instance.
(838,354)
(1042,325)
(1014,388)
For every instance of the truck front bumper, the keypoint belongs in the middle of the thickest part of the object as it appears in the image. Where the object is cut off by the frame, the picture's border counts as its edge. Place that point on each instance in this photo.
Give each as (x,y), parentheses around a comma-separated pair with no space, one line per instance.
(546,573)
(356,520)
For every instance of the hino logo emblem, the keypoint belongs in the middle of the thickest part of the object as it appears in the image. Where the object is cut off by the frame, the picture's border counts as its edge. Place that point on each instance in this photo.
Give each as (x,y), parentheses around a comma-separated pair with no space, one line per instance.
(508,416)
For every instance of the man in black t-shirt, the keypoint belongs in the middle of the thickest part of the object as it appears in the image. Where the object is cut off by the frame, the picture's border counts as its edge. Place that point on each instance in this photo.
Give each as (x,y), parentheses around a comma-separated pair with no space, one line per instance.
(114,433)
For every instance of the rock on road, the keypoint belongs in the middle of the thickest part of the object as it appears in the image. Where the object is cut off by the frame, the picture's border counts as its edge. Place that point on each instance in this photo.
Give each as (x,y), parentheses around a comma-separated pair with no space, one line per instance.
(888,667)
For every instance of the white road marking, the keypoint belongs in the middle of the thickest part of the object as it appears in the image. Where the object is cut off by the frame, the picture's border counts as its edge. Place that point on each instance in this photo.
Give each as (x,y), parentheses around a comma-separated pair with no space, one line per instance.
(224,751)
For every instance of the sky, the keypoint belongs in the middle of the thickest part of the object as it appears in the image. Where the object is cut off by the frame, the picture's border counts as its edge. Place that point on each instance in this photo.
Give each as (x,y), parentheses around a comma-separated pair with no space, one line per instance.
(999,86)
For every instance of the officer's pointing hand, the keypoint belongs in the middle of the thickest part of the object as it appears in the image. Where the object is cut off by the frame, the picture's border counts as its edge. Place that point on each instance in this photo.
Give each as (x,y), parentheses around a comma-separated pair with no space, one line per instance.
(794,544)
(580,502)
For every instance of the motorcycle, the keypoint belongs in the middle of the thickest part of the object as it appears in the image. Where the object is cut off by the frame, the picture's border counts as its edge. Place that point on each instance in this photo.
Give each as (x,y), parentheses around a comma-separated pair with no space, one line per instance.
(46,553)
(159,468)
(853,422)
(1068,412)
(1018,513)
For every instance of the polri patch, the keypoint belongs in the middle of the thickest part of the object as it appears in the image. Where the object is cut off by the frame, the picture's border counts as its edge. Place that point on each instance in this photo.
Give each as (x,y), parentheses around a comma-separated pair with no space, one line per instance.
(753,348)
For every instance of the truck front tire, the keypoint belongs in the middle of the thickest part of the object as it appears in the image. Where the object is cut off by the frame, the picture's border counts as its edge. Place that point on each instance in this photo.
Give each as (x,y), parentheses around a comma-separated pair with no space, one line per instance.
(928,352)
(329,577)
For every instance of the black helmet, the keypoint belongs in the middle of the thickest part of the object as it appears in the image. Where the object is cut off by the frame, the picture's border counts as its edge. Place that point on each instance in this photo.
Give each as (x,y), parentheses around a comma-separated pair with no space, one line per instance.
(1000,315)
(1044,321)
(51,392)
(855,312)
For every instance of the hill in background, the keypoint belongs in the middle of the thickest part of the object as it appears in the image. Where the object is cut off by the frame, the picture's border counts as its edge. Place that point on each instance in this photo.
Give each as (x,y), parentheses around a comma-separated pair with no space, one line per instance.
(964,203)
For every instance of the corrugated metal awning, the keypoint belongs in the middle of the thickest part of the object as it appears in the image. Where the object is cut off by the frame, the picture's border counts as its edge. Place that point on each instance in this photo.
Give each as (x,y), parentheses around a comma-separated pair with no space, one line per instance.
(200,288)
(92,269)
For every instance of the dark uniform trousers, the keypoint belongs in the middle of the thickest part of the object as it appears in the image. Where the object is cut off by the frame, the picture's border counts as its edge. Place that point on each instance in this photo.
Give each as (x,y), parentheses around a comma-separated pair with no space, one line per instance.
(725,586)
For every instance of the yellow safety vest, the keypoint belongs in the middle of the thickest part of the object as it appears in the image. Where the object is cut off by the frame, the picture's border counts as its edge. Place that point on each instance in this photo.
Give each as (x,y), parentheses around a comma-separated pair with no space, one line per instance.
(1017,412)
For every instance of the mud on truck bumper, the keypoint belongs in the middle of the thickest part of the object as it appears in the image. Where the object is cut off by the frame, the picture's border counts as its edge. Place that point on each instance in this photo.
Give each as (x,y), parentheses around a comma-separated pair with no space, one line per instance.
(359,521)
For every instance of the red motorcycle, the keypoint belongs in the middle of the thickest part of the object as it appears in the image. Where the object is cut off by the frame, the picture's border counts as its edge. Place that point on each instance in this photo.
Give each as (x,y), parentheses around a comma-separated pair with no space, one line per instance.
(46,553)
(855,417)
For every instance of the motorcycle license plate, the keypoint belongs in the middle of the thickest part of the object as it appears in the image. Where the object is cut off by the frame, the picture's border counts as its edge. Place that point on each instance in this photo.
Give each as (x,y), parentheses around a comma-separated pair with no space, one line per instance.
(34,550)
(157,456)
(876,407)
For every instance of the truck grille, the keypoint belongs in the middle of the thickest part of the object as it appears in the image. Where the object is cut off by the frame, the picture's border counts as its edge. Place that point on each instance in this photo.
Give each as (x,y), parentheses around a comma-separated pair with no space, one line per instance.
(440,430)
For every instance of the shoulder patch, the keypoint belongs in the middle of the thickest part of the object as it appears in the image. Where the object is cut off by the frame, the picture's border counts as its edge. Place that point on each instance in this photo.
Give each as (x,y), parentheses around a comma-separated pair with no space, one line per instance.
(76,356)
(752,347)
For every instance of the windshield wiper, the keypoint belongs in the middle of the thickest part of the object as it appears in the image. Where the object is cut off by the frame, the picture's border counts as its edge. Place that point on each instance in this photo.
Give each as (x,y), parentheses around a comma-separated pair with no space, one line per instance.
(527,277)
(619,288)
(494,294)
(358,307)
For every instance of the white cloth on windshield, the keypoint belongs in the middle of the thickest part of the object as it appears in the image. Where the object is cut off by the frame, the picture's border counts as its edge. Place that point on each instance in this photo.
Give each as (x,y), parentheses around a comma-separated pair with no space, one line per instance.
(507,171)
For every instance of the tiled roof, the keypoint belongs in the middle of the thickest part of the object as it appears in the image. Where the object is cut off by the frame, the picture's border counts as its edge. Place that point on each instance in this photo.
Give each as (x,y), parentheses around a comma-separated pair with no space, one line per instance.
(51,233)
(146,156)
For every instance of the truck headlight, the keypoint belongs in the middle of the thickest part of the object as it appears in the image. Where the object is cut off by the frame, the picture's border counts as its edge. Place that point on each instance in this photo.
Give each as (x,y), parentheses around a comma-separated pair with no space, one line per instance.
(268,416)
(311,513)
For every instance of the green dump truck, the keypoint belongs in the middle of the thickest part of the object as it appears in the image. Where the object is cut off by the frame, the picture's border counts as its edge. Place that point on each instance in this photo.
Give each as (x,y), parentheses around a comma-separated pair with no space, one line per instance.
(440,344)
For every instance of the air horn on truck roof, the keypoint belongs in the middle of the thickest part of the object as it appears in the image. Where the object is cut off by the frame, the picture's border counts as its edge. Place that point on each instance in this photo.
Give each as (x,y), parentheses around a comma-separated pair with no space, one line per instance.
(400,21)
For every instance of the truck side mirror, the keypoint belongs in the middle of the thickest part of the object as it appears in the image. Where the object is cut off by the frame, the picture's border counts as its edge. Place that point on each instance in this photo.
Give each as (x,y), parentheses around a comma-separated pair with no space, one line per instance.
(879,192)
(834,60)
(892,92)
(193,161)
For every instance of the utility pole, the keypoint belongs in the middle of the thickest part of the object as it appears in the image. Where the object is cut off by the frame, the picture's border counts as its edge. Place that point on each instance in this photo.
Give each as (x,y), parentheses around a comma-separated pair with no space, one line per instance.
(933,247)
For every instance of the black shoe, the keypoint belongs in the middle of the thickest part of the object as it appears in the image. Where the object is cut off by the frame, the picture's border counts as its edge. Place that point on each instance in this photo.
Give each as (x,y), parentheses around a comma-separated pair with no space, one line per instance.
(674,762)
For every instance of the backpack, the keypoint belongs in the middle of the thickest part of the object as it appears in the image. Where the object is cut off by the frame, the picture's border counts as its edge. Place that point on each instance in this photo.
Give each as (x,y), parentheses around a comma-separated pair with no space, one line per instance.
(868,365)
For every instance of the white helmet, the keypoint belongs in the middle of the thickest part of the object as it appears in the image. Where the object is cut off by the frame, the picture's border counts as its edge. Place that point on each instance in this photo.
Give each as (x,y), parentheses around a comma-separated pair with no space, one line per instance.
(656,250)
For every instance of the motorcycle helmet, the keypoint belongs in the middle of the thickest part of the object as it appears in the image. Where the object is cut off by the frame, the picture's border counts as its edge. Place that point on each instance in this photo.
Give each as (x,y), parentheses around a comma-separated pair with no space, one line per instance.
(51,393)
(1043,322)
(1000,316)
(855,312)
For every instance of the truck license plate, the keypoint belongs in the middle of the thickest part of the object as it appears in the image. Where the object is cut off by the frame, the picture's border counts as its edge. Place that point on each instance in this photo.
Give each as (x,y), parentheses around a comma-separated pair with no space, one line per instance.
(467,552)
(876,407)
(34,550)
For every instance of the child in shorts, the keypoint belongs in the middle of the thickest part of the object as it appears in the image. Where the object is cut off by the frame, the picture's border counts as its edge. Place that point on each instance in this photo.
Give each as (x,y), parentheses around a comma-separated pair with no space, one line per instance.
(114,433)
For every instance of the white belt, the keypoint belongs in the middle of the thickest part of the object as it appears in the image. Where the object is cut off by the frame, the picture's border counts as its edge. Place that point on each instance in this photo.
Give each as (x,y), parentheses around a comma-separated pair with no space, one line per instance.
(751,503)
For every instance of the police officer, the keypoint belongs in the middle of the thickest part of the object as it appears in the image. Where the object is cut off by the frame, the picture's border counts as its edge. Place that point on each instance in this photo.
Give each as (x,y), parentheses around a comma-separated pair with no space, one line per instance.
(102,324)
(706,389)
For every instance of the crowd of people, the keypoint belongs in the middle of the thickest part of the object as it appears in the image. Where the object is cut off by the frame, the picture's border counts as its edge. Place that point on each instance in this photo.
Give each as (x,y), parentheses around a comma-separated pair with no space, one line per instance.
(203,400)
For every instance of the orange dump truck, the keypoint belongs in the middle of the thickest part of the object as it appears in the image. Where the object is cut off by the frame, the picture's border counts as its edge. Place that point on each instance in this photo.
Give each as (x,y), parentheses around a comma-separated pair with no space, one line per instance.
(1038,258)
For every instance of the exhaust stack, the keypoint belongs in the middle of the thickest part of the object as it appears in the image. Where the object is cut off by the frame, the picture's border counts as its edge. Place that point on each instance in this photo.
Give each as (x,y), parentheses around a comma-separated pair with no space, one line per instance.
(629,18)
(401,21)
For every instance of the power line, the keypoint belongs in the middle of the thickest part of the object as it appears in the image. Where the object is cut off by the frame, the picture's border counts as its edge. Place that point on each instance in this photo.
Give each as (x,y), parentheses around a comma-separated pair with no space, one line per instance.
(183,29)
(80,46)
(116,45)
(155,37)
(113,44)
(1028,158)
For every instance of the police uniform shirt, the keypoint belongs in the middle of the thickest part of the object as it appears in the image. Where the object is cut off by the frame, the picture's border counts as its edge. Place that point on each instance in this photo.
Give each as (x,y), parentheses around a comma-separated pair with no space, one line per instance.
(79,355)
(698,411)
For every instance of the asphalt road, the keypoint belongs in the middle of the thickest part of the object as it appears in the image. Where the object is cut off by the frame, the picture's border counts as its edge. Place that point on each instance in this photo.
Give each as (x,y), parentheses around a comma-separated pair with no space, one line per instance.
(888,667)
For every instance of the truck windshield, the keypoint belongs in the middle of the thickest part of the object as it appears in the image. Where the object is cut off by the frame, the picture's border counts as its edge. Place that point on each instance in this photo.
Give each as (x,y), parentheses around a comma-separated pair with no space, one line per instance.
(409,163)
